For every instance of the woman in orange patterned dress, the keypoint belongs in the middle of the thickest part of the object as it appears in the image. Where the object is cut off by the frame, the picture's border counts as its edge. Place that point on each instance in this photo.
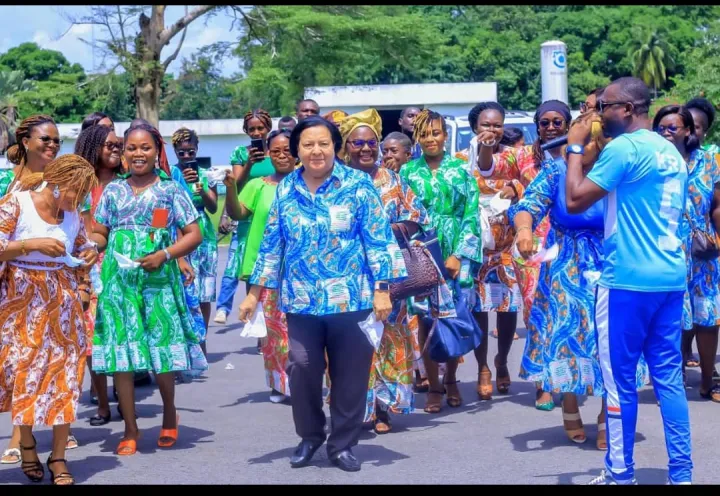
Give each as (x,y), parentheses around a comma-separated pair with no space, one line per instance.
(390,389)
(43,330)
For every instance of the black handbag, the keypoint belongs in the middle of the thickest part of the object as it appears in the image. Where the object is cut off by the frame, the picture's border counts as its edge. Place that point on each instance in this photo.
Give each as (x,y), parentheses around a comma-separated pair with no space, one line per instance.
(422,273)
(703,245)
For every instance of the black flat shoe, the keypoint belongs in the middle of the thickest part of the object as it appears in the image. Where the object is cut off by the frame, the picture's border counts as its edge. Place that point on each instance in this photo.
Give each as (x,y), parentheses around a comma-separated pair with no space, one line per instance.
(345,460)
(99,420)
(303,454)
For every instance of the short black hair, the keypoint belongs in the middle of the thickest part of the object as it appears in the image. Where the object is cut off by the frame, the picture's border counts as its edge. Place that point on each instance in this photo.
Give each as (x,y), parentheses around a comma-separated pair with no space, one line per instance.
(275,134)
(286,119)
(704,106)
(314,121)
(596,92)
(478,109)
(411,107)
(297,105)
(401,138)
(635,91)
(692,142)
(93,119)
(511,135)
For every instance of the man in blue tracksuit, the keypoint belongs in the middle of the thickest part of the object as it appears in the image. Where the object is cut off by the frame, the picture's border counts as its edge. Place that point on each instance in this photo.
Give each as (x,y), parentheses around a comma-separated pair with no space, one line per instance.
(643,179)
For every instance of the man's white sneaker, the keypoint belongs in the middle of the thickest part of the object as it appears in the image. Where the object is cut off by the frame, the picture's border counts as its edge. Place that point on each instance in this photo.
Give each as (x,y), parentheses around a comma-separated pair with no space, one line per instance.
(606,479)
(220,317)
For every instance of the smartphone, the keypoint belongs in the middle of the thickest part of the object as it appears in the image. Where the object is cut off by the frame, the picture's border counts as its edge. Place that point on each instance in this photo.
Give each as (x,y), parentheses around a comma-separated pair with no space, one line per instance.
(258,144)
(191,164)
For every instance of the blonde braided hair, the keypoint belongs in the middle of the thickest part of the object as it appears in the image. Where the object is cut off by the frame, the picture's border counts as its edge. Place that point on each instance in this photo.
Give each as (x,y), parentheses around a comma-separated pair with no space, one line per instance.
(423,122)
(69,171)
(183,135)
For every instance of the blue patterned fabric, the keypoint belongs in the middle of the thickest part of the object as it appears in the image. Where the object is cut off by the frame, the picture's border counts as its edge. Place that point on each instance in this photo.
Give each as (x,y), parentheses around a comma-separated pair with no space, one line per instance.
(327,249)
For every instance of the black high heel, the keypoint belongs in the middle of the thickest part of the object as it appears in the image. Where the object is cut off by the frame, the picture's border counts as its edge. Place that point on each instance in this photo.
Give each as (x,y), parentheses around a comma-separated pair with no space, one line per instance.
(29,467)
(61,476)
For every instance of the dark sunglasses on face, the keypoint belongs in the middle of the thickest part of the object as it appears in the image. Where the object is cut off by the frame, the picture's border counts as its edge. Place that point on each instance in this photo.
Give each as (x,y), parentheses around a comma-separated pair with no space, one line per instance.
(672,129)
(602,106)
(372,143)
(47,139)
(184,153)
(558,123)
(117,145)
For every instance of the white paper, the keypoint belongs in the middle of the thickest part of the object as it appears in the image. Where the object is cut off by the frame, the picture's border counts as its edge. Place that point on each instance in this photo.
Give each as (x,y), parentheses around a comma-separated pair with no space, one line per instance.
(546,254)
(499,205)
(488,240)
(70,261)
(255,327)
(215,175)
(125,262)
(373,330)
(229,366)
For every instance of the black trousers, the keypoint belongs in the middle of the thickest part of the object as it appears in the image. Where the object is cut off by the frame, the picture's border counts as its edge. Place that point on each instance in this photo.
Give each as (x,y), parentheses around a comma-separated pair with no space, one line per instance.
(350,355)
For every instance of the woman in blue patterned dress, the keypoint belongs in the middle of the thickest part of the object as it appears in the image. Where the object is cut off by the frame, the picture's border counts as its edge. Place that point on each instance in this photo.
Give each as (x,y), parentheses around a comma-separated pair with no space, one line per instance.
(561,350)
(701,312)
(204,259)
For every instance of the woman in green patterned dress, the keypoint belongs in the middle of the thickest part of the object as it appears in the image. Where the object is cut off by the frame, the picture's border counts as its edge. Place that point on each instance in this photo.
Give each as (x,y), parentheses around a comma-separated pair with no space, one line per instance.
(450,194)
(143,322)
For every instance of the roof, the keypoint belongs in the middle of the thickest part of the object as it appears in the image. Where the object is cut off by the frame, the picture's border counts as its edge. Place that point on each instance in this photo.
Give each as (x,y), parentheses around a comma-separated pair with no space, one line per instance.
(401,95)
(167,128)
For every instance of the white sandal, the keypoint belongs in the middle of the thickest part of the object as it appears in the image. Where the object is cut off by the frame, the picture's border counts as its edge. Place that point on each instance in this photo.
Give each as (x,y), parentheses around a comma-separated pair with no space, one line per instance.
(11,452)
(601,442)
(71,443)
(573,434)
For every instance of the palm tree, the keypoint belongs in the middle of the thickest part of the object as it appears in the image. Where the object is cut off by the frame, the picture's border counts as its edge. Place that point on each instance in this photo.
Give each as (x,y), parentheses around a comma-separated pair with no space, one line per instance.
(650,55)
(11,83)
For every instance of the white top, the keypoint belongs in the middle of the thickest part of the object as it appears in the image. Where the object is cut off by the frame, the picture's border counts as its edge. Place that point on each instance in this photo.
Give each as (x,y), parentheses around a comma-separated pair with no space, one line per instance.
(31,226)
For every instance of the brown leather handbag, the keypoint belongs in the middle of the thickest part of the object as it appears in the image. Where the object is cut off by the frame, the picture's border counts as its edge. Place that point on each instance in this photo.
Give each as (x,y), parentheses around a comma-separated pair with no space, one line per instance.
(422,274)
(703,245)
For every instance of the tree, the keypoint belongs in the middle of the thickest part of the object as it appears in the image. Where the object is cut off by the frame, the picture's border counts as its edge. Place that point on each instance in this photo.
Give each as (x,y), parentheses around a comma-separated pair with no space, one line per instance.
(650,55)
(139,51)
(12,83)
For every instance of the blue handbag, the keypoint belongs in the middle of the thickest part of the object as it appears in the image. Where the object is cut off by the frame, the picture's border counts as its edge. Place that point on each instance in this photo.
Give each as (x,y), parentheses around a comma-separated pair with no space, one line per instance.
(453,337)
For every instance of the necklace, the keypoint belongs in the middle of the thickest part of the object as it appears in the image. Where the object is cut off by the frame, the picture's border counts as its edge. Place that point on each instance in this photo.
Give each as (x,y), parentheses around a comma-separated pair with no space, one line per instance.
(139,189)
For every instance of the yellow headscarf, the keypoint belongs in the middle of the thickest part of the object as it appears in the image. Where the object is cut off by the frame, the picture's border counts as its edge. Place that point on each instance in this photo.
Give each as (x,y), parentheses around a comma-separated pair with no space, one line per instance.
(369,118)
(335,116)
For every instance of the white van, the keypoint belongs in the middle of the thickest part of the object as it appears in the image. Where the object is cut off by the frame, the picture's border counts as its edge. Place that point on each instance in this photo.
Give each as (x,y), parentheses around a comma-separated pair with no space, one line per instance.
(460,132)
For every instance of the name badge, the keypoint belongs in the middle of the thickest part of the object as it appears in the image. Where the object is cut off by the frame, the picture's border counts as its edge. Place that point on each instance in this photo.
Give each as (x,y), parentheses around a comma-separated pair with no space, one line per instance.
(340,219)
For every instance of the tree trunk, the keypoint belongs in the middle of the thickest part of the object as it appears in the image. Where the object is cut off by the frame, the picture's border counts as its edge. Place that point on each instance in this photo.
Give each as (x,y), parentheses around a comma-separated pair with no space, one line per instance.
(149,69)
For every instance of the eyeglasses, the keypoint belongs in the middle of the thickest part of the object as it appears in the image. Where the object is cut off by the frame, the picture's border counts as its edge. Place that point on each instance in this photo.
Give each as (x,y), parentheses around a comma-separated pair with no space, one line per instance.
(672,129)
(584,107)
(276,152)
(184,153)
(557,123)
(601,105)
(372,143)
(117,145)
(47,139)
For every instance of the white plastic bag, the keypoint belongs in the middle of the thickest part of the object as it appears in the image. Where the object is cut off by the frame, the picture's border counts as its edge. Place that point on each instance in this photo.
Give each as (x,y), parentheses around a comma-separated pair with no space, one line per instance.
(255,327)
(125,262)
(486,235)
(499,205)
(546,254)
(373,330)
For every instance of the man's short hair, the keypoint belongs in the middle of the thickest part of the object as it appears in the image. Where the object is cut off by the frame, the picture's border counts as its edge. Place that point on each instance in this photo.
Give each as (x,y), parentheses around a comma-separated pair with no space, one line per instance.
(634,90)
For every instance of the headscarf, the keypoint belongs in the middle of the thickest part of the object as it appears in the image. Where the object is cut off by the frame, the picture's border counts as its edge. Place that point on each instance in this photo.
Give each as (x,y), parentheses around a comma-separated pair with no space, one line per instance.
(335,116)
(553,106)
(369,118)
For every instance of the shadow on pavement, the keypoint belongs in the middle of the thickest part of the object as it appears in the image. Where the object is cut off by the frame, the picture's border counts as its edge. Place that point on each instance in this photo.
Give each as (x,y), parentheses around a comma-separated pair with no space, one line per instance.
(549,438)
(188,438)
(81,469)
(256,397)
(367,454)
(643,475)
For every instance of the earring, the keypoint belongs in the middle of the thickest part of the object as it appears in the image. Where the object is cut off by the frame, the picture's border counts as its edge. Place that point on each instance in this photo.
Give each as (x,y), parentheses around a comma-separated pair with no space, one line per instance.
(56,192)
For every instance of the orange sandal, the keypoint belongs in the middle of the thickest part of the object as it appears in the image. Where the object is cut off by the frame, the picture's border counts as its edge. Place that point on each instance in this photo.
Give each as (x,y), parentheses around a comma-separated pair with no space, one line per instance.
(171,434)
(484,385)
(127,447)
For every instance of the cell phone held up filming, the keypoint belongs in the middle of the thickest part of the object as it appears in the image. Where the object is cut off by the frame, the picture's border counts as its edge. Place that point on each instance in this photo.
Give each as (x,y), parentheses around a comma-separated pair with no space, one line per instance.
(191,164)
(258,144)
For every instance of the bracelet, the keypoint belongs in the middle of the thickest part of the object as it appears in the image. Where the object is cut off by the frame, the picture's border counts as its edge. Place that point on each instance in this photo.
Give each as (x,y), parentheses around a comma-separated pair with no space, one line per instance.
(167,254)
(22,248)
(518,229)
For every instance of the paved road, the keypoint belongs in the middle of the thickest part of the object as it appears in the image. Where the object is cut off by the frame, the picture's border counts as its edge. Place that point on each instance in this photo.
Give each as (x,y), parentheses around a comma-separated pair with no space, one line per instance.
(230,433)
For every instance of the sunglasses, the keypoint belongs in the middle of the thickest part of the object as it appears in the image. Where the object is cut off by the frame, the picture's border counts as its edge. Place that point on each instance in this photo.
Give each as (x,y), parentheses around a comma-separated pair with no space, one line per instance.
(372,143)
(558,123)
(47,139)
(186,153)
(672,129)
(117,145)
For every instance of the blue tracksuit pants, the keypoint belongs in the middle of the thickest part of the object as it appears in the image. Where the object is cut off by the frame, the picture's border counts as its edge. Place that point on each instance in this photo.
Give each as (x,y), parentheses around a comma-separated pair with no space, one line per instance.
(631,323)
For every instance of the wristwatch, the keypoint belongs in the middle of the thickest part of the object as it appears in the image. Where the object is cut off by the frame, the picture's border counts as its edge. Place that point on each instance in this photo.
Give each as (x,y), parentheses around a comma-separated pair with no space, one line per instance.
(382,286)
(580,150)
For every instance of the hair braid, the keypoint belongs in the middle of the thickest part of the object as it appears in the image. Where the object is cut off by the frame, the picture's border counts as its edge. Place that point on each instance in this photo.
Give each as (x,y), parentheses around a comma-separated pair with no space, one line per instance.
(17,153)
(184,135)
(260,114)
(66,171)
(424,120)
(90,143)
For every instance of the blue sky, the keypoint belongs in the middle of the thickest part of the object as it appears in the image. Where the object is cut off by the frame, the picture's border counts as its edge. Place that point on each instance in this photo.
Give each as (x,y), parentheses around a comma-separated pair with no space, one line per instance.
(45,25)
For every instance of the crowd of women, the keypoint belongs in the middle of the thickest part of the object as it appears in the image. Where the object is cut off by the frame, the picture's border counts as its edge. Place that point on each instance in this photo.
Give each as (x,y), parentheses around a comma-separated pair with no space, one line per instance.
(109,257)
